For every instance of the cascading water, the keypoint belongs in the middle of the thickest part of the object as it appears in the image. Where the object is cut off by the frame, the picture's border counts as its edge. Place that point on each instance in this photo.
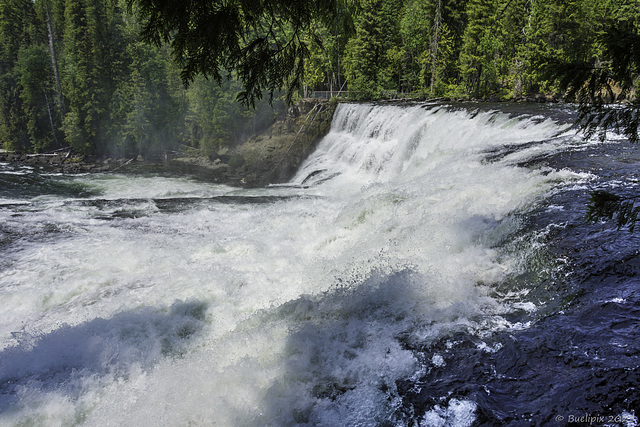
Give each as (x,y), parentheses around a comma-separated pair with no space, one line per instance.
(341,298)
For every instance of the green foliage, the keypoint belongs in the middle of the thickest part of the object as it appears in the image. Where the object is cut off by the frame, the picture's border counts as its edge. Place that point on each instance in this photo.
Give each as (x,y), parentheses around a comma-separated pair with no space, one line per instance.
(608,206)
(78,73)
(477,69)
(323,67)
(612,75)
(214,118)
(209,115)
(263,42)
(371,56)
(31,72)
(415,31)
(85,73)
(82,73)
(146,110)
(16,29)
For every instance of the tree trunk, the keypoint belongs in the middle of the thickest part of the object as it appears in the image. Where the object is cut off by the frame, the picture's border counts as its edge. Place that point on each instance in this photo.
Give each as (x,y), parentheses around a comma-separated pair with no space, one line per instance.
(434,44)
(53,128)
(54,60)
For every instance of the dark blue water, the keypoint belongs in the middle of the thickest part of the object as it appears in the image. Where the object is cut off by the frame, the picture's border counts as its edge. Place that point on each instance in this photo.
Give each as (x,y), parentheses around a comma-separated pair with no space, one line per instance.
(579,361)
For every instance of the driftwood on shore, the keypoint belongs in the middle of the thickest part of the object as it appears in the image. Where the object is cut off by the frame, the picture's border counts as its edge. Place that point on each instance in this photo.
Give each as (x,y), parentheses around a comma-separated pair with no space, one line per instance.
(63,161)
(35,159)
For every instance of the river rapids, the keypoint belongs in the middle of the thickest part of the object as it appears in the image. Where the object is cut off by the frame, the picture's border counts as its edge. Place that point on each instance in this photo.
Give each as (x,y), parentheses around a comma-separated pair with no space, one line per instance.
(429,265)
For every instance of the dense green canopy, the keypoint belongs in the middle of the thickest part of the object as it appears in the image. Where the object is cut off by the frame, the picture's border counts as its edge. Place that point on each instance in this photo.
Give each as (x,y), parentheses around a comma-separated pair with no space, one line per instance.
(107,77)
(263,42)
(605,85)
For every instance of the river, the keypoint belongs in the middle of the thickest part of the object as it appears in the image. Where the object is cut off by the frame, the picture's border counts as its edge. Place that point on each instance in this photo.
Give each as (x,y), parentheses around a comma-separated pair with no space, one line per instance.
(428,265)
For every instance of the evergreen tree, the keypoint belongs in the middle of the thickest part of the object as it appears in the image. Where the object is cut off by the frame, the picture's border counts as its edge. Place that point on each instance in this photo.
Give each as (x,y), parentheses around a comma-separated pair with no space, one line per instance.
(512,26)
(441,71)
(415,29)
(82,75)
(47,15)
(263,42)
(371,59)
(323,68)
(33,73)
(216,120)
(80,71)
(16,31)
(480,45)
(454,24)
(596,78)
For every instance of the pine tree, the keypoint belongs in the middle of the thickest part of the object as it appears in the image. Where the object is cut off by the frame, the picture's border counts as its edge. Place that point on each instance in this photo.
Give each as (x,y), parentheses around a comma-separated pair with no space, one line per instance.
(415,30)
(92,67)
(33,72)
(370,61)
(16,31)
(478,67)
(53,52)
(80,78)
(323,68)
(263,43)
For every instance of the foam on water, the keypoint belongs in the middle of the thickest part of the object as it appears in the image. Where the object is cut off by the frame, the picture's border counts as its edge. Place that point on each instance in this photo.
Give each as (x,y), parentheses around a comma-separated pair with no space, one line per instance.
(297,311)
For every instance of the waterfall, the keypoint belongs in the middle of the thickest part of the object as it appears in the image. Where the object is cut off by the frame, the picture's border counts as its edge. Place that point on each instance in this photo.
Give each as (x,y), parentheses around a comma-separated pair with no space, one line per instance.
(391,143)
(145,299)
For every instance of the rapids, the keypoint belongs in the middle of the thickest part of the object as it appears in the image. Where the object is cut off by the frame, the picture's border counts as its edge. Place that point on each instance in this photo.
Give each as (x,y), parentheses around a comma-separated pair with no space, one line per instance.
(428,265)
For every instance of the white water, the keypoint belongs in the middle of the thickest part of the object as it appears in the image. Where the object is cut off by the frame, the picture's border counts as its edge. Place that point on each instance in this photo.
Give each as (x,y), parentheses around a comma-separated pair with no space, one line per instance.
(216,312)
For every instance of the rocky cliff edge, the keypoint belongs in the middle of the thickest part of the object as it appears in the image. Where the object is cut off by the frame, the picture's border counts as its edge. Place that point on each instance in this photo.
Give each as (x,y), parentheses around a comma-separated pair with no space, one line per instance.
(274,155)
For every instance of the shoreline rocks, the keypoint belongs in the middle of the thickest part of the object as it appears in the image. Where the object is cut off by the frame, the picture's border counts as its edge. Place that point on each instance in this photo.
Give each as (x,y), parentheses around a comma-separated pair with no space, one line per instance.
(63,162)
(273,155)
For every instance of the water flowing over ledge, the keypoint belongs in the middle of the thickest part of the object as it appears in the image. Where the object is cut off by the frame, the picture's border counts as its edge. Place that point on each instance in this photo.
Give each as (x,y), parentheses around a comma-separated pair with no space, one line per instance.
(427,265)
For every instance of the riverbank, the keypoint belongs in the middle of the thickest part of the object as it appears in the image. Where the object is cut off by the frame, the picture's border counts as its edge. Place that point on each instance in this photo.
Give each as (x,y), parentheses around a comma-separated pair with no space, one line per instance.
(270,156)
(65,162)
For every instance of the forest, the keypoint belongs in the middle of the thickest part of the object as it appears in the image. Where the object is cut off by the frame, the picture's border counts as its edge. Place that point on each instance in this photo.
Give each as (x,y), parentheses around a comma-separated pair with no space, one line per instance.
(80,73)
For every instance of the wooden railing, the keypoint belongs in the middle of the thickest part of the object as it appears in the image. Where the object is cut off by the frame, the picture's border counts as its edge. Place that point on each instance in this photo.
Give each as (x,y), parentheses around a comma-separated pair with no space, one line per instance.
(328,94)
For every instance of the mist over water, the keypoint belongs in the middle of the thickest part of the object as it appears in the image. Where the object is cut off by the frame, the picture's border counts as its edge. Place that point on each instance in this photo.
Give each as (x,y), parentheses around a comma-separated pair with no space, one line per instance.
(148,299)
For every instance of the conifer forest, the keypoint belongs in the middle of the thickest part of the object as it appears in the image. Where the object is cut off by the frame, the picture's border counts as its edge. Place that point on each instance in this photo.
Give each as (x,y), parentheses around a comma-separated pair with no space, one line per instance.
(82,74)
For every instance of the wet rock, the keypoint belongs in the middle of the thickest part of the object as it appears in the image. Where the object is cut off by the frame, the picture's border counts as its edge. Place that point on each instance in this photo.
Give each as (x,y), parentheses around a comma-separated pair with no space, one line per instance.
(273,155)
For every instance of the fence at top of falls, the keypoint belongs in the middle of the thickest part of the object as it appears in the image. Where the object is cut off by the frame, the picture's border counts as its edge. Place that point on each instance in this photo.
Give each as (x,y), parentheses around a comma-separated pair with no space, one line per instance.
(328,94)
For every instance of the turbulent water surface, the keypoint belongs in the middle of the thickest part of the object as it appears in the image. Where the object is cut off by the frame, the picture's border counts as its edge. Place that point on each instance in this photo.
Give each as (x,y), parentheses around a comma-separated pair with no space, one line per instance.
(429,265)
